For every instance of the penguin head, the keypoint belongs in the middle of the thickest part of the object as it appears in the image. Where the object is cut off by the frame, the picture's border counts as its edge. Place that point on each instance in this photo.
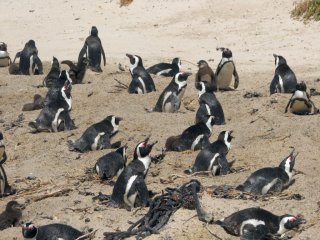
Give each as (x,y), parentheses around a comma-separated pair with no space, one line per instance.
(135,60)
(279,60)
(3,46)
(301,86)
(143,148)
(226,137)
(31,43)
(202,88)
(181,77)
(226,52)
(29,230)
(288,163)
(202,64)
(94,31)
(55,62)
(288,222)
(176,61)
(1,140)
(14,207)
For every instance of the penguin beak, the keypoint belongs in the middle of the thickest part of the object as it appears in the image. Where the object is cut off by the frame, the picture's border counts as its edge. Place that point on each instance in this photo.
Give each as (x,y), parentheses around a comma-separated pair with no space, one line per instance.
(129,56)
(275,55)
(119,119)
(220,49)
(301,220)
(230,134)
(187,74)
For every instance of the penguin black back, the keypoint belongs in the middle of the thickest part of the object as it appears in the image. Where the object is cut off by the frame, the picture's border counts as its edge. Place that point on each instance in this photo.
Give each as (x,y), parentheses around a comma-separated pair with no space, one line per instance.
(166,69)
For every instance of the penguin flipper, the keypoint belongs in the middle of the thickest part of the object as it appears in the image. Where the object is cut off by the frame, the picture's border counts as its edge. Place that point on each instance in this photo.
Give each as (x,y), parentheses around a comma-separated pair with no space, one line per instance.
(224,165)
(143,193)
(68,124)
(69,63)
(277,187)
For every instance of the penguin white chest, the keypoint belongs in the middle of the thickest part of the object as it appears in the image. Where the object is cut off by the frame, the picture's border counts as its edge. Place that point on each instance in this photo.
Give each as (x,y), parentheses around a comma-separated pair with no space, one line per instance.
(130,199)
(225,75)
(2,181)
(253,222)
(55,123)
(94,145)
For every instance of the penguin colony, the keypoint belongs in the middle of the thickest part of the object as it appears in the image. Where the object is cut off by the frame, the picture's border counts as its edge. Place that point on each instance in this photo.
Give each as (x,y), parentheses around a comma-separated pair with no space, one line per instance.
(130,189)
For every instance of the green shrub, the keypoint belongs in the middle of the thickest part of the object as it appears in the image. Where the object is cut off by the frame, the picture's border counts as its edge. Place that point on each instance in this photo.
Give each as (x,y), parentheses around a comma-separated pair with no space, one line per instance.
(307,10)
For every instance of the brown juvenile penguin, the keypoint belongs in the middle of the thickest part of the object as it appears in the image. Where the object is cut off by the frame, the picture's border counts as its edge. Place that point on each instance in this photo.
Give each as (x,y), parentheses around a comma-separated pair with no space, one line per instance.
(38,103)
(11,215)
(206,75)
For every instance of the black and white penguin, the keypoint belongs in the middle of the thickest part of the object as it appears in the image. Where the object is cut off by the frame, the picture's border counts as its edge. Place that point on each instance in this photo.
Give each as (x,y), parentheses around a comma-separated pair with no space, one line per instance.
(300,102)
(270,179)
(97,136)
(213,157)
(170,98)
(193,138)
(53,75)
(5,59)
(11,216)
(141,80)
(206,75)
(284,80)
(130,190)
(112,164)
(55,116)
(209,105)
(78,71)
(166,69)
(55,231)
(258,224)
(92,50)
(30,63)
(5,188)
(225,70)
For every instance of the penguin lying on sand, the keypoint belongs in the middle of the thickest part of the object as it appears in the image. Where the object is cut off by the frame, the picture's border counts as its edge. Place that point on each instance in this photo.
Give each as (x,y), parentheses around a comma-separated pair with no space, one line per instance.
(209,105)
(77,72)
(11,216)
(284,80)
(53,75)
(141,80)
(166,69)
(130,189)
(269,179)
(38,103)
(193,138)
(300,102)
(225,70)
(97,136)
(112,164)
(258,224)
(170,98)
(213,157)
(55,231)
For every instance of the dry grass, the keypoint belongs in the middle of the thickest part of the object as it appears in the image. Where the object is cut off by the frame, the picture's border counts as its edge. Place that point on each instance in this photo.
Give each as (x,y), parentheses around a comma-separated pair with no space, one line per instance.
(307,10)
(125,2)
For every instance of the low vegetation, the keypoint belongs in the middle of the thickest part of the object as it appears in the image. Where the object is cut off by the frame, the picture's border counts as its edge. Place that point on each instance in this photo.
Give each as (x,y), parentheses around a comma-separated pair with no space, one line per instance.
(307,10)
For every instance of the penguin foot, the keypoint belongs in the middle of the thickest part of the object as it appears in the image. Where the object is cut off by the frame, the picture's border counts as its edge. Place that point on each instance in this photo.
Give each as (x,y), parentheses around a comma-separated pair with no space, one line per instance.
(188,171)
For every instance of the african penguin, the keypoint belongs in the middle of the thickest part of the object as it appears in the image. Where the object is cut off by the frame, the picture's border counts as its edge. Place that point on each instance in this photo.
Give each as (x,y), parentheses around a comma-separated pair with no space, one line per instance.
(284,80)
(193,138)
(55,231)
(5,59)
(111,164)
(141,80)
(213,157)
(77,72)
(209,105)
(97,136)
(270,179)
(257,223)
(166,69)
(30,63)
(225,70)
(5,188)
(206,75)
(130,189)
(38,103)
(53,75)
(170,98)
(300,102)
(55,116)
(11,216)
(92,50)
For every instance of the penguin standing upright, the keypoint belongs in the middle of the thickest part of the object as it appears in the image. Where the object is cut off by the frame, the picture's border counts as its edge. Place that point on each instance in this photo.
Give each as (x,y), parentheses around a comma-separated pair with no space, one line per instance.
(55,114)
(225,70)
(97,136)
(170,98)
(270,179)
(213,157)
(284,80)
(93,50)
(166,69)
(300,102)
(30,63)
(141,80)
(206,75)
(53,74)
(5,188)
(130,190)
(77,72)
(112,164)
(11,216)
(5,59)
(209,105)
(258,224)
(193,138)
(55,231)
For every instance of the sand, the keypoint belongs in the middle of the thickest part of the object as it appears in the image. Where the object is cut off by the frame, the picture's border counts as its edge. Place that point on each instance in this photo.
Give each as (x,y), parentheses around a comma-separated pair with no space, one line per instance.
(159,31)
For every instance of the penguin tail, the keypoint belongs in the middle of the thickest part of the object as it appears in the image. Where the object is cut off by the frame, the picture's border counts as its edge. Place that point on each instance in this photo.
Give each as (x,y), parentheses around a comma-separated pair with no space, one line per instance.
(71,145)
(116,144)
(188,171)
(33,126)
(240,188)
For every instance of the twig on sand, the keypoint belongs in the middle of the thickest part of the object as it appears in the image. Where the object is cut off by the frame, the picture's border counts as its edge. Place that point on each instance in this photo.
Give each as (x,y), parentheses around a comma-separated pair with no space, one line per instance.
(58,193)
(121,84)
(206,226)
(90,235)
